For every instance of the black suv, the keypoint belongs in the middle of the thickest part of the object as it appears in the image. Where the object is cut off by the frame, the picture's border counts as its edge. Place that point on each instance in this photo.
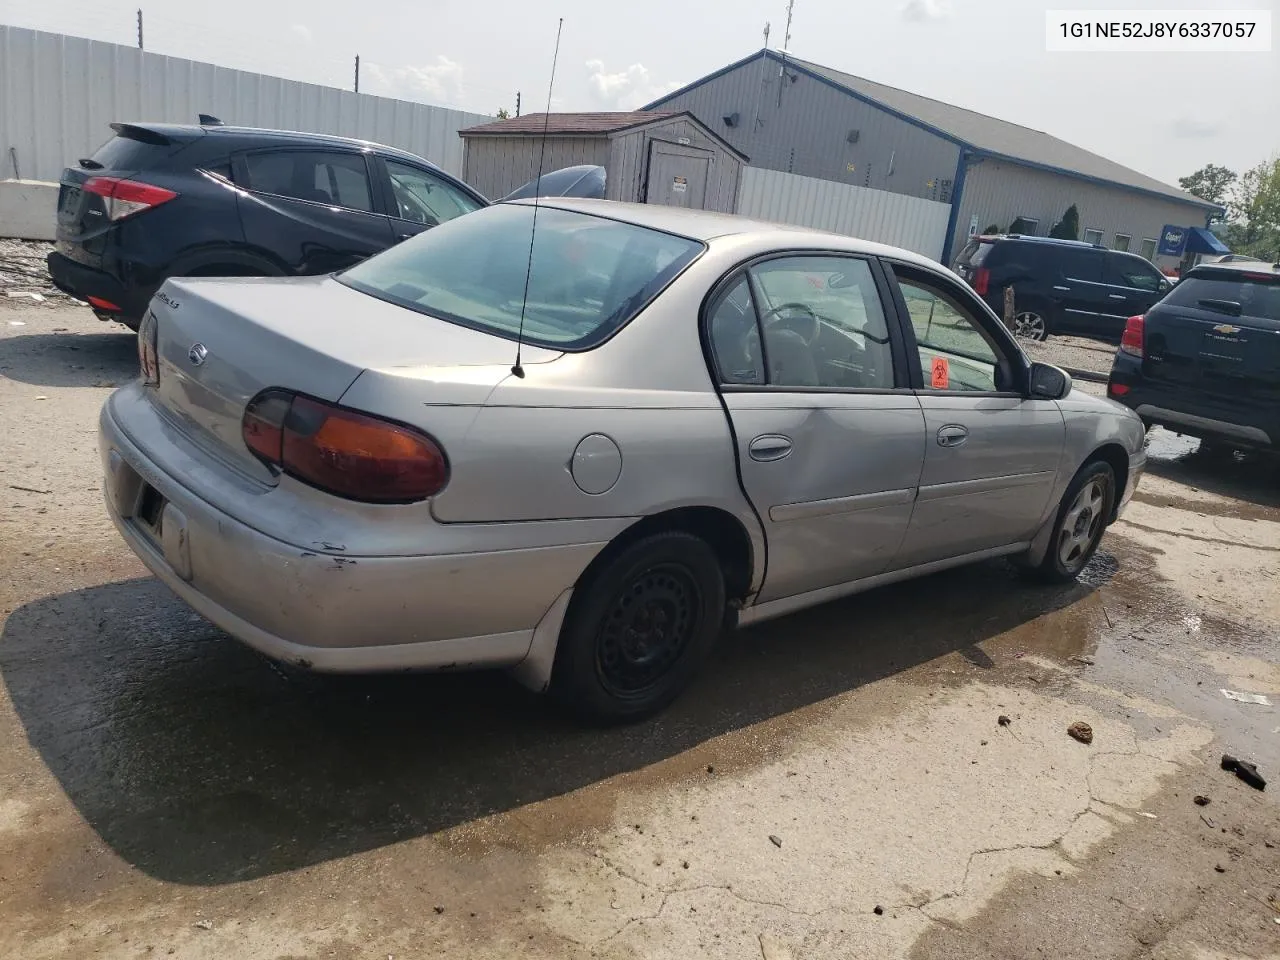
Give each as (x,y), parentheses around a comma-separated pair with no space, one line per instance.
(1205,360)
(164,200)
(1060,286)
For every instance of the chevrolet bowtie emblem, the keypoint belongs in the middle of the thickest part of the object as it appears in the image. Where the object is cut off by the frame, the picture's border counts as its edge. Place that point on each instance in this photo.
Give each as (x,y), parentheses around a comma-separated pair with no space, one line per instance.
(1226,328)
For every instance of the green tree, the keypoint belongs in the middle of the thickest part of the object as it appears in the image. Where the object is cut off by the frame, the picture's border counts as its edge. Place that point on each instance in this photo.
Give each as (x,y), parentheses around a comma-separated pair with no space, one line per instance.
(503,114)
(1068,228)
(1210,182)
(992,228)
(1254,212)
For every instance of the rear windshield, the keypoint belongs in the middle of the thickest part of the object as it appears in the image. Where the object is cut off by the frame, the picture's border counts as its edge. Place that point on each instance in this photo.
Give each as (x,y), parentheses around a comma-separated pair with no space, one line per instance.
(589,275)
(974,253)
(126,155)
(1257,298)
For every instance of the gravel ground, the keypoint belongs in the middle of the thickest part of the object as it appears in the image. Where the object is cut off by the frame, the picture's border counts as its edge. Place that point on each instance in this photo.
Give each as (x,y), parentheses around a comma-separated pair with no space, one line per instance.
(1074,353)
(23,275)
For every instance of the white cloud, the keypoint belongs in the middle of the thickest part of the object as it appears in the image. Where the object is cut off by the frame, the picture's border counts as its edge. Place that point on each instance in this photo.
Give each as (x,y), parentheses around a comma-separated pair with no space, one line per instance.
(438,83)
(626,89)
(1191,128)
(926,10)
(302,32)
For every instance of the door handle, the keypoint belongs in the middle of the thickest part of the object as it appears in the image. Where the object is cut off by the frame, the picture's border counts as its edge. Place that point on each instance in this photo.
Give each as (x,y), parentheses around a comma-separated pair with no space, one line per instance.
(405,236)
(952,435)
(769,447)
(1117,296)
(1064,289)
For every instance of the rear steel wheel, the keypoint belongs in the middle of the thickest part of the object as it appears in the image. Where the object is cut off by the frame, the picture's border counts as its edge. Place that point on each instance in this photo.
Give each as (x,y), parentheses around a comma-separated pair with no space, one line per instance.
(648,626)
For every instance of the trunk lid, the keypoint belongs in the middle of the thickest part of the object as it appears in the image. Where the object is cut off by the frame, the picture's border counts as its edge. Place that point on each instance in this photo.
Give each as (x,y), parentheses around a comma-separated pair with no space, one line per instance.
(310,335)
(82,221)
(1218,333)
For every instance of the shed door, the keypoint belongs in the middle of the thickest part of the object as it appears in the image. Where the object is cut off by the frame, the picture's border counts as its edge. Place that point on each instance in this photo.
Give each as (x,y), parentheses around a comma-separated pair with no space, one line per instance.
(677,175)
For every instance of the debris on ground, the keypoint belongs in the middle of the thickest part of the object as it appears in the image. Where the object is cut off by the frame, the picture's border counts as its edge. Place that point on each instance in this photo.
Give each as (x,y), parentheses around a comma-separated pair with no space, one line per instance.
(710,768)
(23,272)
(1201,800)
(1087,661)
(775,840)
(1149,816)
(1245,770)
(1003,720)
(204,924)
(439,909)
(1081,731)
(878,911)
(1219,868)
(1239,697)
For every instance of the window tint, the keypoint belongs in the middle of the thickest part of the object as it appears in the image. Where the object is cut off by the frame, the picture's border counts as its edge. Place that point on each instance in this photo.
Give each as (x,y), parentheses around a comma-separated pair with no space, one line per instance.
(1132,272)
(1256,299)
(424,198)
(589,276)
(337,179)
(221,169)
(955,352)
(823,323)
(974,253)
(1080,263)
(1029,256)
(735,336)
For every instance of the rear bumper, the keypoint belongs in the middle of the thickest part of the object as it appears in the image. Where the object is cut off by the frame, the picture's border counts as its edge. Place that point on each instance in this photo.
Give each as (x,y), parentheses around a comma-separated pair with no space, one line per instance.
(330,611)
(1186,410)
(83,282)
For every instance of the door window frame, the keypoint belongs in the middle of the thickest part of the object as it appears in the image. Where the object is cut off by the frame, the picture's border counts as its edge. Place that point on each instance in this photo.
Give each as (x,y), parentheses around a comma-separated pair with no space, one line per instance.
(998,337)
(240,169)
(898,352)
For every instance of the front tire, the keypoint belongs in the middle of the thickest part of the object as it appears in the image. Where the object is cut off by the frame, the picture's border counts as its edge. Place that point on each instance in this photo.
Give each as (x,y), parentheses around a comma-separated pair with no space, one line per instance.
(1082,519)
(639,628)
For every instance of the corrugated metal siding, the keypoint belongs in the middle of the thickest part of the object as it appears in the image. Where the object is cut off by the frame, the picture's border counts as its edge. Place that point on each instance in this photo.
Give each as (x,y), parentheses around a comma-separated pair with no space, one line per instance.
(497,165)
(878,215)
(808,133)
(628,162)
(58,93)
(998,192)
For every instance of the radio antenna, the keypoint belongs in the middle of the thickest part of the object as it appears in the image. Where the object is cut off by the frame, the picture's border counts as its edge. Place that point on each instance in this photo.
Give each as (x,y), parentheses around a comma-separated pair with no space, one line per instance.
(518,369)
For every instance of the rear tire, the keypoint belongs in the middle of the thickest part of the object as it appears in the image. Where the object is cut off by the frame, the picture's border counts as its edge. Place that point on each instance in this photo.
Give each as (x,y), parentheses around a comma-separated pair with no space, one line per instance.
(1082,519)
(1031,325)
(639,628)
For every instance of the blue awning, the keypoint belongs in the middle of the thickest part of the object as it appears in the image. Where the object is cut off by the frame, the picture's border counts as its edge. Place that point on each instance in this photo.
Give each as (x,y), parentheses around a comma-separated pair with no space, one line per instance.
(1200,240)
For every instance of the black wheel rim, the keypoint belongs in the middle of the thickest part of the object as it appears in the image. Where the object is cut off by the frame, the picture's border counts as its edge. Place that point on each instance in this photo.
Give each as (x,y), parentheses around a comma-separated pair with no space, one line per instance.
(647,629)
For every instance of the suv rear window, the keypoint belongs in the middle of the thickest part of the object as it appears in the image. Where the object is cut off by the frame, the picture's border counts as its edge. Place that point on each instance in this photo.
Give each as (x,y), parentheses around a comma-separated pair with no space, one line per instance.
(126,155)
(974,252)
(589,276)
(1257,297)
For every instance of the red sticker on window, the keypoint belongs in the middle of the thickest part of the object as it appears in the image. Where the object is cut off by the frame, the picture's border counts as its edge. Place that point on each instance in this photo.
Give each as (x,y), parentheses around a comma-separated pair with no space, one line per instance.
(941,373)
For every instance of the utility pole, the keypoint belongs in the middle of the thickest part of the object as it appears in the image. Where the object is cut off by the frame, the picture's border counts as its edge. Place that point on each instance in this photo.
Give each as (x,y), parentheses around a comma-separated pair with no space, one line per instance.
(357,73)
(140,28)
(786,48)
(517,103)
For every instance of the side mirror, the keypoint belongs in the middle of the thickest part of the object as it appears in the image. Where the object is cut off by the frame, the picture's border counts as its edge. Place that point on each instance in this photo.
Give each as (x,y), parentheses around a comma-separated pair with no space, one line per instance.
(1049,382)
(1164,286)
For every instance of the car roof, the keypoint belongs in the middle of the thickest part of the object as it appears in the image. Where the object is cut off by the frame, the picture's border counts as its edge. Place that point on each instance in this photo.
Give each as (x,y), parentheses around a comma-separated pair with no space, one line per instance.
(1023,238)
(187,131)
(707,225)
(1237,267)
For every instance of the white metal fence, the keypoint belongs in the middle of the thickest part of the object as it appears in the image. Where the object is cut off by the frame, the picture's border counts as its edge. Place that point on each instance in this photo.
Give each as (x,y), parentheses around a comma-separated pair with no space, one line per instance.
(909,222)
(58,93)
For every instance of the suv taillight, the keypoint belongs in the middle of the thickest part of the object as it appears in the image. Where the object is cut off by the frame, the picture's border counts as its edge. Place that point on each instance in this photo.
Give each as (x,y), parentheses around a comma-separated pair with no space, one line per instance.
(148,359)
(1131,342)
(981,279)
(341,451)
(124,198)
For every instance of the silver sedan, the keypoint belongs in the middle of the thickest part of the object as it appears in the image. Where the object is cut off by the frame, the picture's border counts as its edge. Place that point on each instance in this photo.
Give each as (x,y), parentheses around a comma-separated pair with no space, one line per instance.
(582,455)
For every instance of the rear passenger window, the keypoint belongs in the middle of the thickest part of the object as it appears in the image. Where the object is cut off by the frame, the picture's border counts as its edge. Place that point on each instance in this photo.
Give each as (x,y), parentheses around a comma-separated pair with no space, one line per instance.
(336,179)
(1080,263)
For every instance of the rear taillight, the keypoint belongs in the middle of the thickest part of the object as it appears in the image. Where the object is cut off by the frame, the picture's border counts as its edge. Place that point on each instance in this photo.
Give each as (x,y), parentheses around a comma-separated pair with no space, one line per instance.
(124,198)
(1131,342)
(343,452)
(148,359)
(981,279)
(1117,389)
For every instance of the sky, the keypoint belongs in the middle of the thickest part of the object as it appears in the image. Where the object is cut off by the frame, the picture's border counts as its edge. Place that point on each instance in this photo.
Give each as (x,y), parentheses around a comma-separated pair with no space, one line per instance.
(1163,114)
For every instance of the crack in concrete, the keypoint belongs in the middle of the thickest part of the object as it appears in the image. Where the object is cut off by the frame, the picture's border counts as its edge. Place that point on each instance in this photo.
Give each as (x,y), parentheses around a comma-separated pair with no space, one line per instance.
(1194,536)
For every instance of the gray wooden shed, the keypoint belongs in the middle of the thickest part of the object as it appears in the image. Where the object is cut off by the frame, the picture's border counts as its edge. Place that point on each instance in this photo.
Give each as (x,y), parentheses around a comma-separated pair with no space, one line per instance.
(649,157)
